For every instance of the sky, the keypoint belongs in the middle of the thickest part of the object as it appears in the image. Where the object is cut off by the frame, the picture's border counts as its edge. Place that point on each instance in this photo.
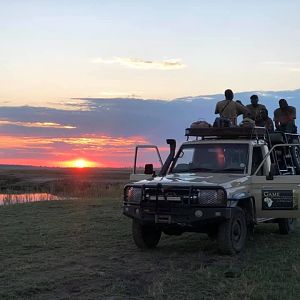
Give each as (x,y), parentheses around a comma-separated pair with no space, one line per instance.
(56,54)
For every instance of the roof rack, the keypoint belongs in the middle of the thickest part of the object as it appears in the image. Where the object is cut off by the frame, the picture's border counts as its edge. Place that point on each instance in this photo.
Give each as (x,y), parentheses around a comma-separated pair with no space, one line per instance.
(227,133)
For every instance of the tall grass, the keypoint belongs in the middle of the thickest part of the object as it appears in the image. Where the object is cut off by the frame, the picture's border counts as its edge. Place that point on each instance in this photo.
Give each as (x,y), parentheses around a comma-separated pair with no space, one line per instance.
(15,198)
(61,190)
(61,183)
(86,189)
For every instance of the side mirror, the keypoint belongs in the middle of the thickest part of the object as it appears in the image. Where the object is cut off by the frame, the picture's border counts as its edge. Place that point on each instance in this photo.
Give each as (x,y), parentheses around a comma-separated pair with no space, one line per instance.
(272,172)
(148,169)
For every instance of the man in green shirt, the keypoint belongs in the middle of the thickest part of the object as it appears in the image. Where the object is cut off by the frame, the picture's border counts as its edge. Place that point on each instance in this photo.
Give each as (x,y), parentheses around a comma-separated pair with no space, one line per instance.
(229,108)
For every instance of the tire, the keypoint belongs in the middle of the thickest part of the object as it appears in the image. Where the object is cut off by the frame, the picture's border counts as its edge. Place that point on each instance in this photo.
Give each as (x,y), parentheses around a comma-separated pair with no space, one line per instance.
(145,236)
(287,225)
(295,151)
(232,233)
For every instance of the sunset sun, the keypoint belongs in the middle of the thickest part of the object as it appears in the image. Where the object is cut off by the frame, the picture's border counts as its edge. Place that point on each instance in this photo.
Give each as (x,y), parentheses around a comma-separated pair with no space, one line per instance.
(80,163)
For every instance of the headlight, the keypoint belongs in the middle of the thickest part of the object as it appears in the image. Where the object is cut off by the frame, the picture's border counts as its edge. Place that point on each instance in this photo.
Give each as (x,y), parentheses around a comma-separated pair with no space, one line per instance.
(133,194)
(211,197)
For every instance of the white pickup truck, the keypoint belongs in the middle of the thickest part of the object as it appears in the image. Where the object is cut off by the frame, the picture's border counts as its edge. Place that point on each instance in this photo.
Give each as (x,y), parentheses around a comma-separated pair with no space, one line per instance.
(223,182)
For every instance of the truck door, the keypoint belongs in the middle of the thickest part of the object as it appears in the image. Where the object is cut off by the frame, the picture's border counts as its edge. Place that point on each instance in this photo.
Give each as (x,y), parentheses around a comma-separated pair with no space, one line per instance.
(276,196)
(146,171)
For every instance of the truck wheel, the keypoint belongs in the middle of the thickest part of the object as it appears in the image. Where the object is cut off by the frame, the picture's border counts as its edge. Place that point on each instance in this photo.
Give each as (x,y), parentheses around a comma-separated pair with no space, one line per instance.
(287,225)
(232,233)
(145,236)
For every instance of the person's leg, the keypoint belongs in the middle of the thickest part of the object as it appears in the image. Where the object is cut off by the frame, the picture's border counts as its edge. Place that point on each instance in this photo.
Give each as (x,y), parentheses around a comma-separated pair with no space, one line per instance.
(290,128)
(282,127)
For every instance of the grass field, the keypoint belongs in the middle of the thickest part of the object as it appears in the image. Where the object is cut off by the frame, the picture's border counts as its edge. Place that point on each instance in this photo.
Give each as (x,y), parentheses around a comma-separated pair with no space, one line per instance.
(83,249)
(64,182)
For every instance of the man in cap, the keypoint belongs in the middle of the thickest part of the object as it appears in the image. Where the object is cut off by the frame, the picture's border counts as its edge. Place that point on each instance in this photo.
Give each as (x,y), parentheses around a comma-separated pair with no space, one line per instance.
(255,108)
(284,117)
(229,108)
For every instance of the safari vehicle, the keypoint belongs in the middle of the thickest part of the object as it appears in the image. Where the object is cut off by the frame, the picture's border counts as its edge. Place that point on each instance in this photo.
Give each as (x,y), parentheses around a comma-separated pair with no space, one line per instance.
(221,181)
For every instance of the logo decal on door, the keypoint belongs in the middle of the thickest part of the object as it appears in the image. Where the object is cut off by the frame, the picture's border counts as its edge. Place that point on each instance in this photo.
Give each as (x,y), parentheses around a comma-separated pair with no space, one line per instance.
(279,200)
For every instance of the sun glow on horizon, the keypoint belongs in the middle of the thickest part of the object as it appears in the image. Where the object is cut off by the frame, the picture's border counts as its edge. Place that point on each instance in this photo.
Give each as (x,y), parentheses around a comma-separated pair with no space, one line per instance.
(80,163)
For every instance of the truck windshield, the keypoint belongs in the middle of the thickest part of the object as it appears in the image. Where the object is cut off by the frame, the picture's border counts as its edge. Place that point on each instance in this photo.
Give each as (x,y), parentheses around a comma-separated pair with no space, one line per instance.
(215,158)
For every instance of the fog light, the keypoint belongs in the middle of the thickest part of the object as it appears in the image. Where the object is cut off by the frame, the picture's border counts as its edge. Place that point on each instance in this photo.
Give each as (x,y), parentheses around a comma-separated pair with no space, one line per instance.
(198,213)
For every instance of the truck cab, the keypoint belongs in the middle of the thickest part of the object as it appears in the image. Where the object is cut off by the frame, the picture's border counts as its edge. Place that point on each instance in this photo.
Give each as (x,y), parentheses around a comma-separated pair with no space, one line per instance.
(221,181)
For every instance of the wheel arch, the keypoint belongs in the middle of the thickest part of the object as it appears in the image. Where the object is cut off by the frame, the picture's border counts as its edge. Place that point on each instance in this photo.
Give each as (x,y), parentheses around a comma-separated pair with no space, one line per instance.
(247,204)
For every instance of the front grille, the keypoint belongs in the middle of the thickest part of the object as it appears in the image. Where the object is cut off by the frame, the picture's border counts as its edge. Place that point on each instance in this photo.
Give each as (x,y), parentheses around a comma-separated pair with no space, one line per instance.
(132,194)
(211,197)
(164,196)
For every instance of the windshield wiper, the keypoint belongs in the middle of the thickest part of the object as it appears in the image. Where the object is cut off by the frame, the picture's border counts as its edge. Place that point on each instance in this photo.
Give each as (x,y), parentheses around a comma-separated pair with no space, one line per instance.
(230,170)
(202,170)
(193,170)
(210,170)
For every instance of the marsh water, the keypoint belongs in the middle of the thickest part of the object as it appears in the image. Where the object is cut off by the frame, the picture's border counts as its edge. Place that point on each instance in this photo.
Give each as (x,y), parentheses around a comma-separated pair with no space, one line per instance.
(6,199)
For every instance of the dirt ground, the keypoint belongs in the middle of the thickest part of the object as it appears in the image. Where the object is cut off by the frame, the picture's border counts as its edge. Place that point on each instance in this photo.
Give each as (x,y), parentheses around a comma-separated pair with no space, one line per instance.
(83,249)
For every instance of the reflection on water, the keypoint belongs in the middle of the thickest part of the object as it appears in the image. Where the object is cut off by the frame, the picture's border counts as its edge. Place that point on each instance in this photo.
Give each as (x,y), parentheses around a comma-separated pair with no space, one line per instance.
(6,199)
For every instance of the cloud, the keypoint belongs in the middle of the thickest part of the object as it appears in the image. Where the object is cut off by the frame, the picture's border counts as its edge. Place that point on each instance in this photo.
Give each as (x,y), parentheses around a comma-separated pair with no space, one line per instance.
(278,63)
(137,63)
(69,105)
(109,129)
(89,141)
(287,66)
(36,124)
(102,151)
(291,66)
(5,102)
(263,94)
(119,94)
(207,98)
(294,69)
(97,142)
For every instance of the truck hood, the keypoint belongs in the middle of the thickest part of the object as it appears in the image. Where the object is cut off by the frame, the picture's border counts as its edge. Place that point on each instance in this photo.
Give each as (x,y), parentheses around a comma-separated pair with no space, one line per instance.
(227,181)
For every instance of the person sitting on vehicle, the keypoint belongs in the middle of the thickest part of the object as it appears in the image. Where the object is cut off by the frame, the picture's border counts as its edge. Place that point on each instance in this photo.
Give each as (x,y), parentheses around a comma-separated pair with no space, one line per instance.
(229,108)
(265,121)
(284,117)
(255,108)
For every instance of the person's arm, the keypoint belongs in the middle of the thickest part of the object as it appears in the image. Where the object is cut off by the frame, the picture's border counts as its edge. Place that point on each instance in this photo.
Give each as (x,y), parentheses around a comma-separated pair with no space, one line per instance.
(294,113)
(217,108)
(276,119)
(290,114)
(270,125)
(241,109)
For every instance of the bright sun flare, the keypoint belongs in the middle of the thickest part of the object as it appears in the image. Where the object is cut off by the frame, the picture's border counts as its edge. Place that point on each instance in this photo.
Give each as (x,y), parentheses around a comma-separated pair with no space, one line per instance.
(80,163)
